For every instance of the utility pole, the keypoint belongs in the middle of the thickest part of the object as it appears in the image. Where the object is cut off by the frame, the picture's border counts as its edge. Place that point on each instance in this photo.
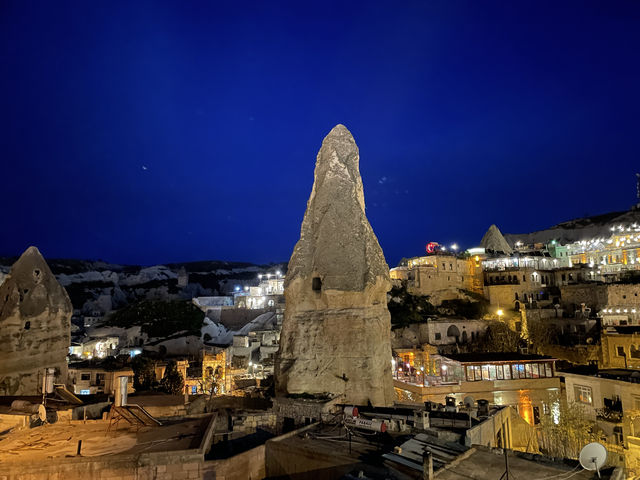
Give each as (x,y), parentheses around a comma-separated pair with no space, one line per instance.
(505,475)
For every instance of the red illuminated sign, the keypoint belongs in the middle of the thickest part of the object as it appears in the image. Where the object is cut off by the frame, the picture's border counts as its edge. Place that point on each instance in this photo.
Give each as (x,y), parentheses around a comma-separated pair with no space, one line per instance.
(432,246)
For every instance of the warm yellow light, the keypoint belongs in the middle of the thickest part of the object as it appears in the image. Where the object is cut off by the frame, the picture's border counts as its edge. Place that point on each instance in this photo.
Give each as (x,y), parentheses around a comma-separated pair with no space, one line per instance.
(500,312)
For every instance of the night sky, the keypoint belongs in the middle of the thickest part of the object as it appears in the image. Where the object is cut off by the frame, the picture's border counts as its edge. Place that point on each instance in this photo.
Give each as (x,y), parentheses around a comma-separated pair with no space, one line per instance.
(150,132)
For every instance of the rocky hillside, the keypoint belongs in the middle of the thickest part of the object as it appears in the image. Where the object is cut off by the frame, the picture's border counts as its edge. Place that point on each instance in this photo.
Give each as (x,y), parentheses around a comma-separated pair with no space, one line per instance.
(102,286)
(578,229)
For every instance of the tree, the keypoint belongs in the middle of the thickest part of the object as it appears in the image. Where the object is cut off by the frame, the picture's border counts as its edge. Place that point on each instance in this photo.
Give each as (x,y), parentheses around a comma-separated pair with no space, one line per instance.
(144,373)
(159,318)
(172,382)
(566,430)
(498,338)
(406,308)
(542,334)
(211,381)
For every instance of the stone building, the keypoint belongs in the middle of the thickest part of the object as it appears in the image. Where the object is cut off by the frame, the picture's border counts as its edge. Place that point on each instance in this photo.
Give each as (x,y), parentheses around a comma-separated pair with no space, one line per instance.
(35,319)
(620,350)
(528,383)
(611,397)
(440,275)
(598,296)
(335,338)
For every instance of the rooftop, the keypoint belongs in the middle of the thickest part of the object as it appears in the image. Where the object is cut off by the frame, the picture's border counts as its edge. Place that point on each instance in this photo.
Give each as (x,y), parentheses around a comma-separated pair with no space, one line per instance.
(621,374)
(60,440)
(484,463)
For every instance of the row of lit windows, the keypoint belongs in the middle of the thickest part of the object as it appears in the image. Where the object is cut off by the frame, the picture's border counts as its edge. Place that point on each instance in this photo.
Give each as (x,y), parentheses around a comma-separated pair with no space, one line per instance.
(514,371)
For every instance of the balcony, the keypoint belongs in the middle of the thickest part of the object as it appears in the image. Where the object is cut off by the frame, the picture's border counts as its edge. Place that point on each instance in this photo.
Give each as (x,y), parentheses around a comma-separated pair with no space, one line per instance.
(609,415)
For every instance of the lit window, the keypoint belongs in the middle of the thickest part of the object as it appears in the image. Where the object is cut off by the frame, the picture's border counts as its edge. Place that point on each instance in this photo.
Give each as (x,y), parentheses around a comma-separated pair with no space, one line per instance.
(583,394)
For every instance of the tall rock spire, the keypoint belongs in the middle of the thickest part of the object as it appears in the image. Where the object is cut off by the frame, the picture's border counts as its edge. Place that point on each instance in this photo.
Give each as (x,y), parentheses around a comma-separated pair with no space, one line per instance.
(494,241)
(35,313)
(336,331)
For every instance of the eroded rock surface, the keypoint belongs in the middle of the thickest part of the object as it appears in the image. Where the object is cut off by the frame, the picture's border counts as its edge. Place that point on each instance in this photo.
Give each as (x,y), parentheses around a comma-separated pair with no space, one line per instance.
(35,313)
(336,331)
(495,242)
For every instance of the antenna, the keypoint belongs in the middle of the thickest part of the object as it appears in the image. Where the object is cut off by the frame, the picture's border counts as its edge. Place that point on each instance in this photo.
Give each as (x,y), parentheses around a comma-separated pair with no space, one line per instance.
(593,456)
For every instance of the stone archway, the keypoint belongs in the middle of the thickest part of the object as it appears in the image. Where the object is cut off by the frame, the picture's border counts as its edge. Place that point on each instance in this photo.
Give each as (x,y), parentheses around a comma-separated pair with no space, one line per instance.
(453,331)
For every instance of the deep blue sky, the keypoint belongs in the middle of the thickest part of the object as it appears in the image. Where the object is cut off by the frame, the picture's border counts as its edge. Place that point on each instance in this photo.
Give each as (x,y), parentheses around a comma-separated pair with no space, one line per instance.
(522,114)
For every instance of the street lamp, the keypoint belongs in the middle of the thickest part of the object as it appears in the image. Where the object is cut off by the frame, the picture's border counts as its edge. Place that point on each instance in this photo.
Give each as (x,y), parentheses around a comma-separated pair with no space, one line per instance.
(500,313)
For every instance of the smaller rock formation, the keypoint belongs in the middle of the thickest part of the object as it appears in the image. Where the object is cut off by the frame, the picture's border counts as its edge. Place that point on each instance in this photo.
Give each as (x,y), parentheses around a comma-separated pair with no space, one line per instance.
(35,318)
(495,242)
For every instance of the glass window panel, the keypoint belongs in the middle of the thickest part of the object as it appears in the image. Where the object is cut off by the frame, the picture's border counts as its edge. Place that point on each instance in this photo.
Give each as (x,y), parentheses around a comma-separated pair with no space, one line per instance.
(499,372)
(470,377)
(485,372)
(478,372)
(492,372)
(541,370)
(534,370)
(582,394)
(548,369)
(527,370)
(507,372)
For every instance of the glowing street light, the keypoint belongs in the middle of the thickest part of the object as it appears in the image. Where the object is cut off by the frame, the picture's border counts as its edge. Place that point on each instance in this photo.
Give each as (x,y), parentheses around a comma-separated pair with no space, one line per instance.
(454,247)
(500,313)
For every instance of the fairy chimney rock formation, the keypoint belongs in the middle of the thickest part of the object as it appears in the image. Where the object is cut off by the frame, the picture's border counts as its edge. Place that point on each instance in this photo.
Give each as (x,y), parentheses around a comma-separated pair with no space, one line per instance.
(35,313)
(336,331)
(494,241)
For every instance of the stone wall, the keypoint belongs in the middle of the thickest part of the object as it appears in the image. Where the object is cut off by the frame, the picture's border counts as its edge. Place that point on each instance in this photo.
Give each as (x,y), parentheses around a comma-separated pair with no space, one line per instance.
(249,465)
(151,466)
(435,332)
(629,343)
(592,295)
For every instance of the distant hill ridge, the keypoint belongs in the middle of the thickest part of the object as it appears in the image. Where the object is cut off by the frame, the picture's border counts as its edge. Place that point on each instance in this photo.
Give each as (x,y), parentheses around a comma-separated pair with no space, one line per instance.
(578,229)
(69,266)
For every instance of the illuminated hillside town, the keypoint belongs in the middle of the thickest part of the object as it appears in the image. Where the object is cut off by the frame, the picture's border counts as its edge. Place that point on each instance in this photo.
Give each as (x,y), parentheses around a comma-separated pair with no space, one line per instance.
(337,241)
(199,369)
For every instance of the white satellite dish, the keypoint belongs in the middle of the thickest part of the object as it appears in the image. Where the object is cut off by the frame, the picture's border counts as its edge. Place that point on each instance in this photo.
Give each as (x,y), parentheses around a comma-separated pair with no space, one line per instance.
(593,456)
(469,401)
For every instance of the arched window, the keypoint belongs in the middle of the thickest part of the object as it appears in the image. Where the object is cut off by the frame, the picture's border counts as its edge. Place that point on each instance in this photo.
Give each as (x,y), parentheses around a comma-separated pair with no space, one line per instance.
(453,331)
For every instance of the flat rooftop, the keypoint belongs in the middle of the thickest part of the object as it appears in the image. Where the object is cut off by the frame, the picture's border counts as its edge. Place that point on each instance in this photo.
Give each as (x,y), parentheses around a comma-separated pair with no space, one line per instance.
(622,374)
(484,464)
(60,440)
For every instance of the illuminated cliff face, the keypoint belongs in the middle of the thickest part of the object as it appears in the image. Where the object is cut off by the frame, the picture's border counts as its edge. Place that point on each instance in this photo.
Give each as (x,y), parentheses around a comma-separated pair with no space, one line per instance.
(336,332)
(35,313)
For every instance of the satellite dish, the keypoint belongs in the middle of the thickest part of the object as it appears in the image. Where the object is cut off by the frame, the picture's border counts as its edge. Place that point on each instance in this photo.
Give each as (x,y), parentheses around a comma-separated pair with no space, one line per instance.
(593,456)
(469,401)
